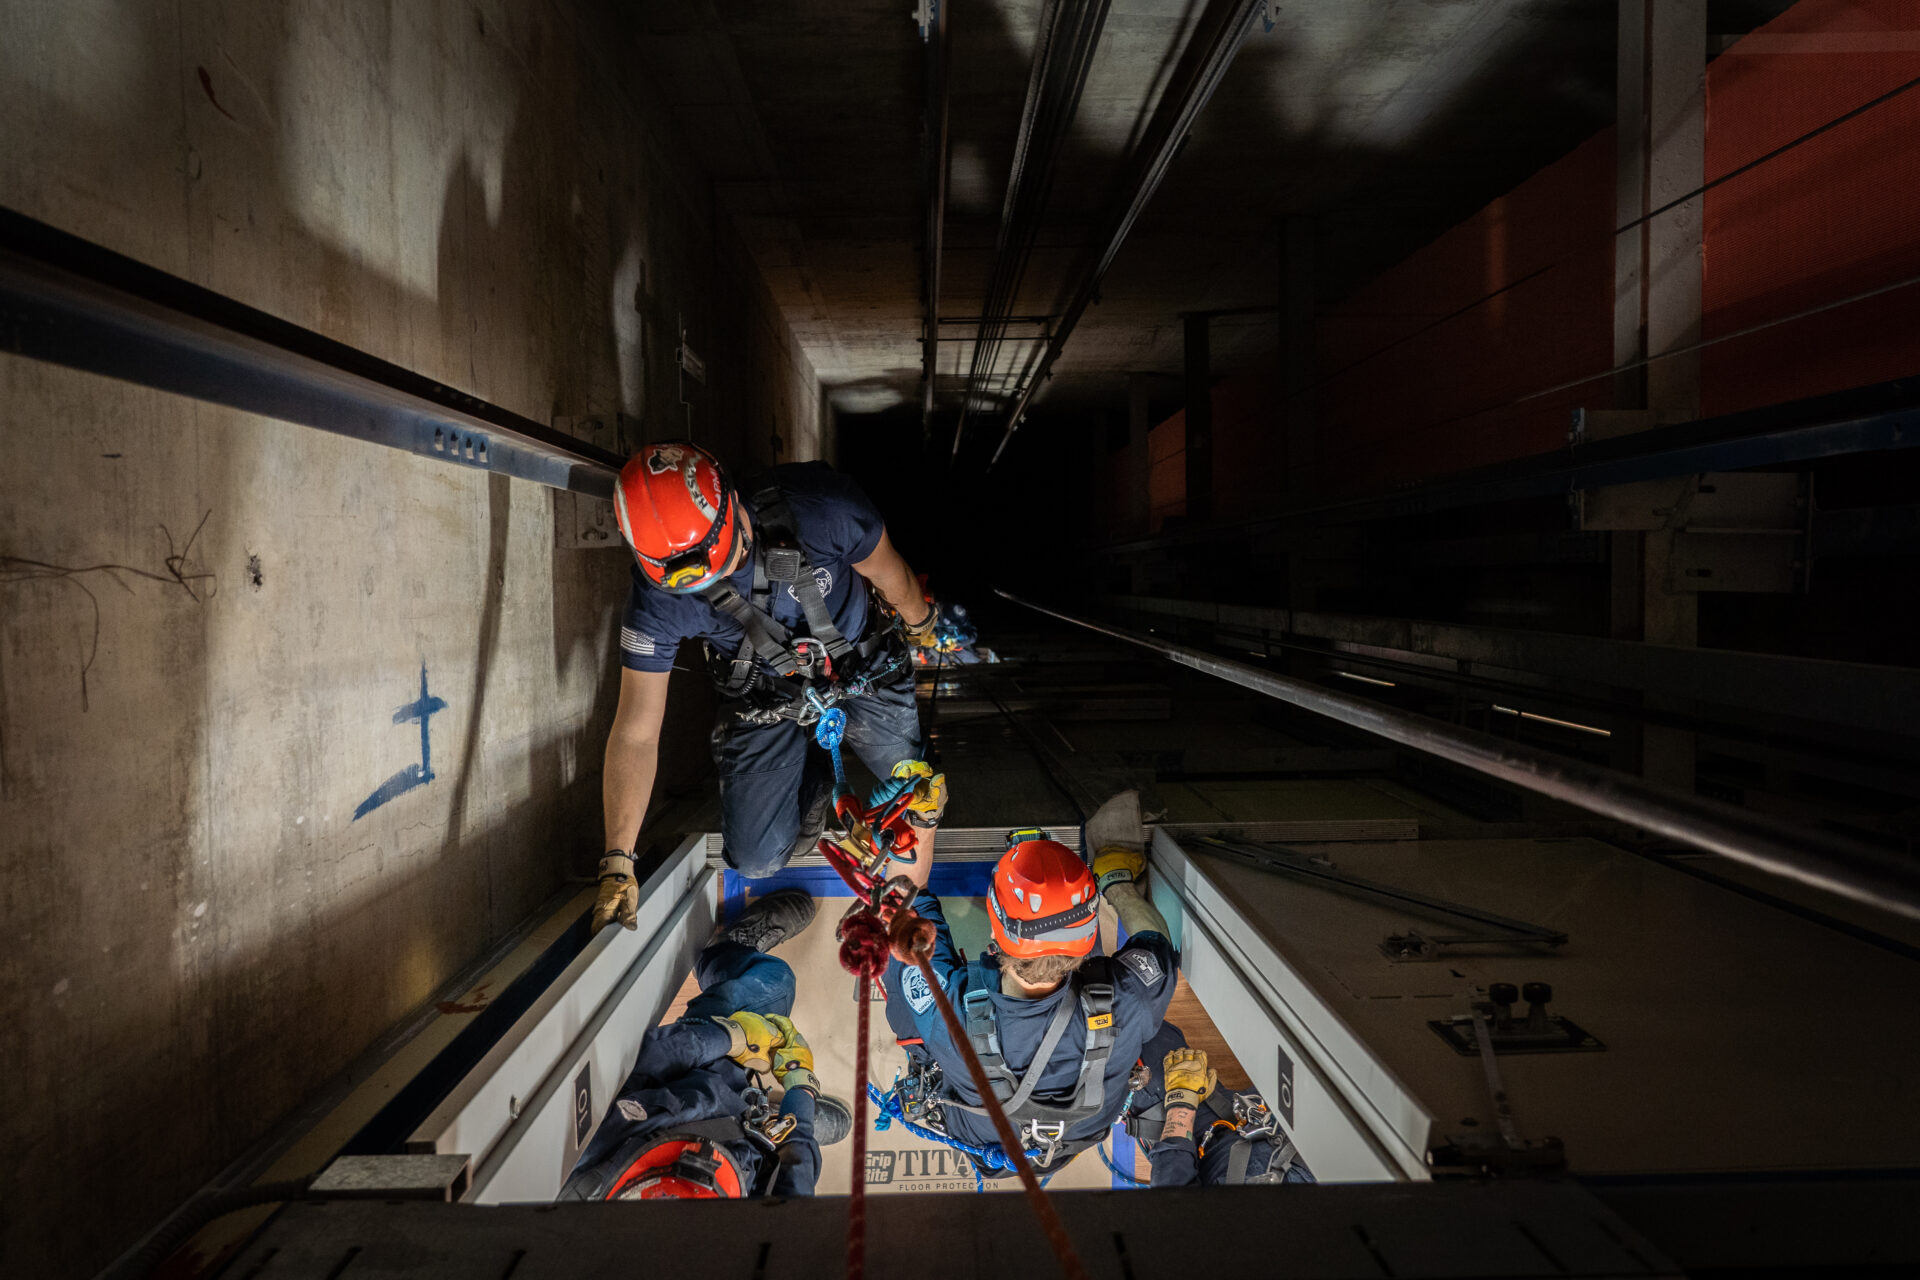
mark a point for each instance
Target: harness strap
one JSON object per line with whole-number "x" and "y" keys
{"x": 1096, "y": 1002}
{"x": 1237, "y": 1159}
{"x": 788, "y": 564}
{"x": 1056, "y": 1028}
{"x": 765, "y": 637}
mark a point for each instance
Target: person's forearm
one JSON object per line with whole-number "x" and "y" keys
{"x": 626, "y": 785}
{"x": 1137, "y": 915}
{"x": 893, "y": 578}
{"x": 921, "y": 868}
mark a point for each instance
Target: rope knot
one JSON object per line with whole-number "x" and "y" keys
{"x": 863, "y": 944}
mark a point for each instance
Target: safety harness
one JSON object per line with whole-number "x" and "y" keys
{"x": 1242, "y": 1115}
{"x": 821, "y": 661}
{"x": 1042, "y": 1122}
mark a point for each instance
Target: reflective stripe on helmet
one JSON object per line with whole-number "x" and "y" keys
{"x": 1071, "y": 925}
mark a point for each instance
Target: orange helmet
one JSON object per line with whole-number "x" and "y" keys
{"x": 679, "y": 514}
{"x": 680, "y": 1169}
{"x": 1042, "y": 899}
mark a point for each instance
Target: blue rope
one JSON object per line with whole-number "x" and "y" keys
{"x": 991, "y": 1156}
{"x": 829, "y": 731}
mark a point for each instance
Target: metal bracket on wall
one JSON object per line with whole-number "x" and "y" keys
{"x": 1397, "y": 947}
{"x": 1537, "y": 1032}
{"x": 583, "y": 522}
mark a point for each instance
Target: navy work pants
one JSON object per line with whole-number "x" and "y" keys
{"x": 773, "y": 804}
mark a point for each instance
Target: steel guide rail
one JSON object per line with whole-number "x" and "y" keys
{"x": 67, "y": 301}
{"x": 1816, "y": 858}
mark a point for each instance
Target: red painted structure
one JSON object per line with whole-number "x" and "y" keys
{"x": 1432, "y": 367}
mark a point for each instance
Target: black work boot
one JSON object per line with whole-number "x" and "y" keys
{"x": 771, "y": 920}
{"x": 832, "y": 1120}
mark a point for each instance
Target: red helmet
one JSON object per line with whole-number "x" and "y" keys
{"x": 680, "y": 1169}
{"x": 1042, "y": 900}
{"x": 679, "y": 514}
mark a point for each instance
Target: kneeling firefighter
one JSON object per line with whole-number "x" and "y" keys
{"x": 1198, "y": 1134}
{"x": 1057, "y": 1028}
{"x": 774, "y": 578}
{"x": 694, "y": 1119}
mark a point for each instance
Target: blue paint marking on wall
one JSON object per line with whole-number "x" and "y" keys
{"x": 414, "y": 775}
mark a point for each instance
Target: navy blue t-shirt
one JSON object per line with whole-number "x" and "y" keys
{"x": 837, "y": 527}
{"x": 1145, "y": 973}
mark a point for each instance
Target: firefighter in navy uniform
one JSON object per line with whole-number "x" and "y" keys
{"x": 1057, "y": 1027}
{"x": 777, "y": 578}
{"x": 1198, "y": 1134}
{"x": 694, "y": 1119}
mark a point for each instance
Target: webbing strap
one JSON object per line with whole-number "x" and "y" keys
{"x": 1097, "y": 1001}
{"x": 777, "y": 526}
{"x": 1237, "y": 1160}
{"x": 1056, "y": 1028}
{"x": 764, "y": 635}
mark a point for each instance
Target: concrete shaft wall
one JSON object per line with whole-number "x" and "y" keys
{"x": 226, "y": 863}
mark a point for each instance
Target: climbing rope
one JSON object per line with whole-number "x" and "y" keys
{"x": 882, "y": 922}
{"x": 912, "y": 939}
{"x": 863, "y": 952}
{"x": 892, "y": 1110}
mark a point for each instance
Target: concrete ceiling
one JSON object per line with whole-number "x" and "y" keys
{"x": 1386, "y": 121}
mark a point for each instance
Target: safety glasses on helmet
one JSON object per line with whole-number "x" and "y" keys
{"x": 695, "y": 567}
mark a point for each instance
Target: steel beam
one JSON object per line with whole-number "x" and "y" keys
{"x": 1199, "y": 397}
{"x": 1230, "y": 22}
{"x": 1069, "y": 32}
{"x": 1855, "y": 694}
{"x": 937, "y": 35}
{"x": 1815, "y": 858}
{"x": 69, "y": 302}
{"x": 1884, "y": 416}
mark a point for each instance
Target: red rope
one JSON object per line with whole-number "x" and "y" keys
{"x": 863, "y": 952}
{"x": 880, "y": 924}
{"x": 913, "y": 943}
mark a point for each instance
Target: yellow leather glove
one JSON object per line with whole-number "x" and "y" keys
{"x": 751, "y": 1039}
{"x": 1117, "y": 864}
{"x": 921, "y": 635}
{"x": 619, "y": 893}
{"x": 793, "y": 1060}
{"x": 1189, "y": 1078}
{"x": 929, "y": 792}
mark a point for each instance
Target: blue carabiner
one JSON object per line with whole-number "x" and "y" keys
{"x": 829, "y": 731}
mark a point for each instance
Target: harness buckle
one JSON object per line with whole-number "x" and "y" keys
{"x": 1253, "y": 1118}
{"x": 1047, "y": 1135}
{"x": 919, "y": 1092}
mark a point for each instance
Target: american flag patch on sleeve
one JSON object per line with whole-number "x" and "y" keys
{"x": 636, "y": 643}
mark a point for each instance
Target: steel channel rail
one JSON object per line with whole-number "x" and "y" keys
{"x": 939, "y": 67}
{"x": 1068, "y": 36}
{"x": 67, "y": 301}
{"x": 1815, "y": 858}
{"x": 1234, "y": 20}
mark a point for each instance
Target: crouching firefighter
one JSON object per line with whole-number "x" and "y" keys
{"x": 777, "y": 580}
{"x": 1198, "y": 1134}
{"x": 696, "y": 1118}
{"x": 1057, "y": 1027}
